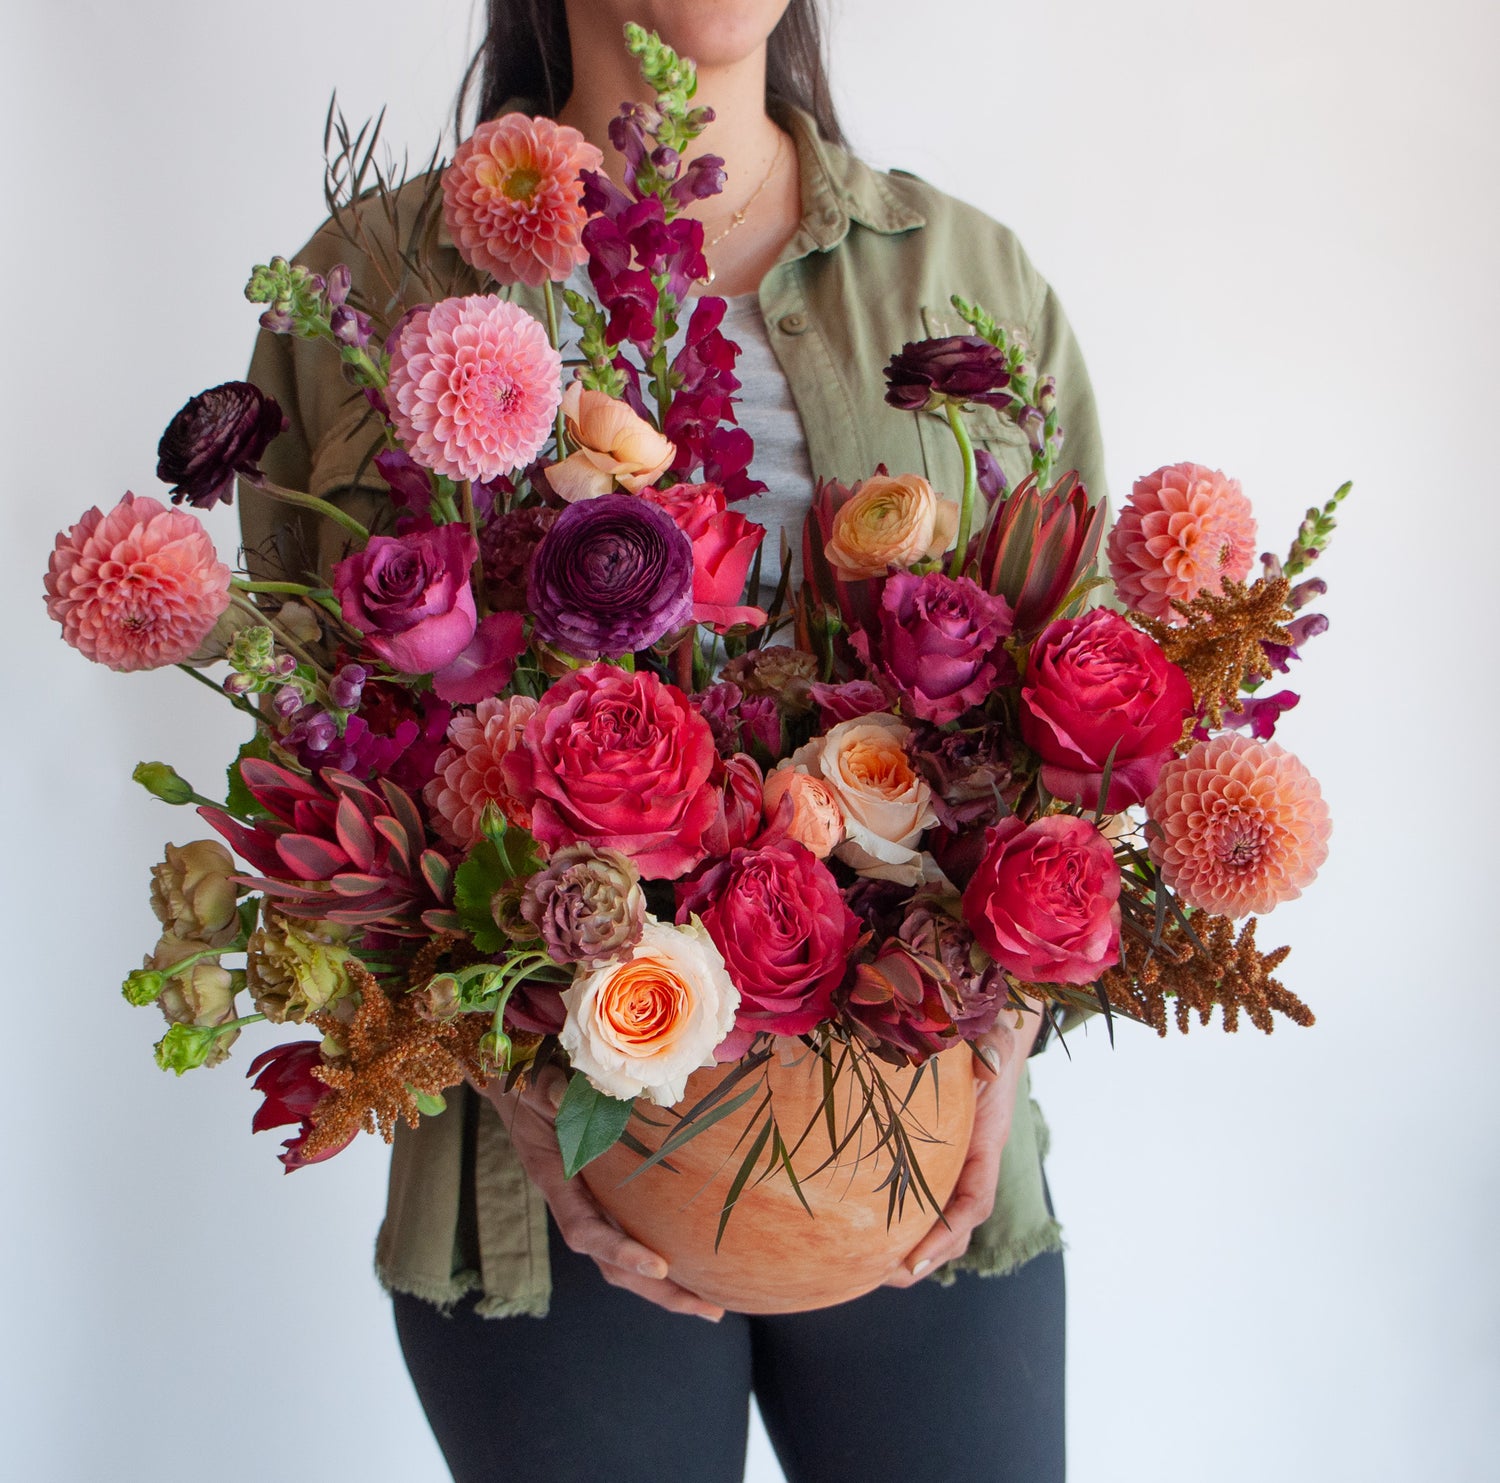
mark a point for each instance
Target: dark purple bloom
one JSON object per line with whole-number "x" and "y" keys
{"x": 719, "y": 705}
{"x": 969, "y": 772}
{"x": 992, "y": 480}
{"x": 507, "y": 543}
{"x": 1308, "y": 626}
{"x": 960, "y": 368}
{"x": 220, "y": 433}
{"x": 760, "y": 725}
{"x": 613, "y": 575}
{"x": 410, "y": 483}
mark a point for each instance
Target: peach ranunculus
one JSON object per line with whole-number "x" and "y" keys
{"x": 886, "y": 804}
{"x": 643, "y": 1023}
{"x": 811, "y": 813}
{"x": 890, "y": 522}
{"x": 614, "y": 446}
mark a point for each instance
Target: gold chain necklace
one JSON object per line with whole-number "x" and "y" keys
{"x": 738, "y": 219}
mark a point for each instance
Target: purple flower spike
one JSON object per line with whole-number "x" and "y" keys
{"x": 347, "y": 686}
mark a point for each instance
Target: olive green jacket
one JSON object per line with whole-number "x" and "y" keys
{"x": 872, "y": 265}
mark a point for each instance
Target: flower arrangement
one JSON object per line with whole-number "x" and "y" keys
{"x": 540, "y": 773}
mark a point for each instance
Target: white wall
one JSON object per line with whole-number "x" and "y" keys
{"x": 1274, "y": 227}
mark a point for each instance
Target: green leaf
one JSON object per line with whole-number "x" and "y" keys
{"x": 428, "y": 1106}
{"x": 588, "y": 1123}
{"x": 747, "y": 1168}
{"x": 240, "y": 801}
{"x": 478, "y": 878}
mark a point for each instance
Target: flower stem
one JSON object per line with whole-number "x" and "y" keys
{"x": 283, "y": 638}
{"x": 550, "y": 300}
{"x": 237, "y": 701}
{"x": 311, "y": 502}
{"x": 971, "y": 488}
{"x": 293, "y": 589}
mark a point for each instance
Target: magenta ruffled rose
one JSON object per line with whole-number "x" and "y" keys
{"x": 619, "y": 760}
{"x": 410, "y": 596}
{"x": 1096, "y": 685}
{"x": 786, "y": 935}
{"x": 1045, "y": 900}
{"x": 939, "y": 643}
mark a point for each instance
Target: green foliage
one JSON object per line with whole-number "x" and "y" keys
{"x": 508, "y": 854}
{"x": 588, "y": 1123}
{"x": 240, "y": 801}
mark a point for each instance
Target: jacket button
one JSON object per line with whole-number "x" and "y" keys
{"x": 792, "y": 324}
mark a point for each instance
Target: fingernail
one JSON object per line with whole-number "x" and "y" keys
{"x": 653, "y": 1267}
{"x": 987, "y": 1054}
{"x": 711, "y": 1317}
{"x": 921, "y": 1266}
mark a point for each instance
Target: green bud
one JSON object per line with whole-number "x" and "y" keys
{"x": 427, "y": 1105}
{"x": 495, "y": 1051}
{"x": 184, "y": 1047}
{"x": 143, "y": 986}
{"x": 492, "y": 824}
{"x": 162, "y": 781}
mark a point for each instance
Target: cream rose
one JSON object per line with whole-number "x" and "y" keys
{"x": 614, "y": 446}
{"x": 815, "y": 816}
{"x": 886, "y": 805}
{"x": 890, "y": 522}
{"x": 643, "y": 1023}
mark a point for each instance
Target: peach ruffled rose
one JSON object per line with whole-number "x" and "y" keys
{"x": 890, "y": 522}
{"x": 643, "y": 1023}
{"x": 813, "y": 816}
{"x": 885, "y": 803}
{"x": 614, "y": 446}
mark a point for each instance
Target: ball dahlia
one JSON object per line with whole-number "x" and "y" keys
{"x": 474, "y": 386}
{"x": 513, "y": 198}
{"x": 138, "y": 588}
{"x": 468, "y": 775}
{"x": 1184, "y": 531}
{"x": 1239, "y": 826}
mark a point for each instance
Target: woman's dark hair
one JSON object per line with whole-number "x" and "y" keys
{"x": 526, "y": 54}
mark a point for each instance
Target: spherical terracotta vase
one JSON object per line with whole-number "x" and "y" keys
{"x": 774, "y": 1257}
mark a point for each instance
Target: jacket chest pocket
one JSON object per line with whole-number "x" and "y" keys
{"x": 942, "y": 463}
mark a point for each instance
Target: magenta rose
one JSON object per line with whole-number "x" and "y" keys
{"x": 787, "y": 936}
{"x": 621, "y": 761}
{"x": 1094, "y": 685}
{"x": 744, "y": 792}
{"x": 410, "y": 597}
{"x": 1045, "y": 900}
{"x": 938, "y": 643}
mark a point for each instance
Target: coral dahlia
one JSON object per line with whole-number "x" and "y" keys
{"x": 1239, "y": 825}
{"x": 474, "y": 386}
{"x": 513, "y": 198}
{"x": 1184, "y": 531}
{"x": 138, "y": 588}
{"x": 468, "y": 773}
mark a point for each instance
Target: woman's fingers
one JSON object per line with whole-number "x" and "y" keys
{"x": 663, "y": 1293}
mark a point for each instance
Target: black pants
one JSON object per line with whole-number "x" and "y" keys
{"x": 960, "y": 1384}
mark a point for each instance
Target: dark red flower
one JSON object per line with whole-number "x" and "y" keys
{"x": 960, "y": 368}
{"x": 292, "y": 1095}
{"x": 220, "y": 433}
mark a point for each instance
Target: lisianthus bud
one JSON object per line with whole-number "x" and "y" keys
{"x": 185, "y": 1047}
{"x": 142, "y": 986}
{"x": 294, "y": 969}
{"x": 162, "y": 781}
{"x": 194, "y": 895}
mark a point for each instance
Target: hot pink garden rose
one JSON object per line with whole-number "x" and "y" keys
{"x": 787, "y": 936}
{"x": 621, "y": 761}
{"x": 1045, "y": 901}
{"x": 410, "y": 596}
{"x": 1094, "y": 684}
{"x": 724, "y": 544}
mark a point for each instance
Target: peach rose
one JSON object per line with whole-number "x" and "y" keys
{"x": 885, "y": 804}
{"x": 644, "y": 1022}
{"x": 890, "y": 522}
{"x": 614, "y": 447}
{"x": 813, "y": 815}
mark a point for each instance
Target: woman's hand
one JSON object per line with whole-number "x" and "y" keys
{"x": 529, "y": 1118}
{"x": 998, "y": 1059}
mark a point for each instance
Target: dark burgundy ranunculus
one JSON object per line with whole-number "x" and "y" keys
{"x": 220, "y": 433}
{"x": 410, "y": 596}
{"x": 292, "y": 1095}
{"x": 963, "y": 368}
{"x": 611, "y": 576}
{"x": 1095, "y": 685}
{"x": 938, "y": 643}
{"x": 507, "y": 543}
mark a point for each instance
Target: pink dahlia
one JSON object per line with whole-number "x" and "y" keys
{"x": 468, "y": 773}
{"x": 1185, "y": 530}
{"x": 474, "y": 387}
{"x": 138, "y": 588}
{"x": 1239, "y": 826}
{"x": 513, "y": 198}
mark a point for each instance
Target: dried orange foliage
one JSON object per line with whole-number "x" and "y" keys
{"x": 392, "y": 1052}
{"x": 1231, "y": 973}
{"x": 1219, "y": 647}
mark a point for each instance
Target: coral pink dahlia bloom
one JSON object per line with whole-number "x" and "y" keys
{"x": 1239, "y": 825}
{"x": 1185, "y": 530}
{"x": 138, "y": 588}
{"x": 474, "y": 387}
{"x": 513, "y": 198}
{"x": 468, "y": 772}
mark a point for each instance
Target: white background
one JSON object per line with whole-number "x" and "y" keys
{"x": 1275, "y": 229}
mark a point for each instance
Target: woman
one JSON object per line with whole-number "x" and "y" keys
{"x": 829, "y": 267}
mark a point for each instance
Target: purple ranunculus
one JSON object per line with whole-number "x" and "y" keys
{"x": 939, "y": 643}
{"x": 611, "y": 576}
{"x": 960, "y": 368}
{"x": 220, "y": 433}
{"x": 410, "y": 596}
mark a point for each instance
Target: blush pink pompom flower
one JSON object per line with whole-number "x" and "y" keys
{"x": 1239, "y": 826}
{"x": 474, "y": 387}
{"x": 513, "y": 198}
{"x": 1184, "y": 531}
{"x": 138, "y": 588}
{"x": 468, "y": 773}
